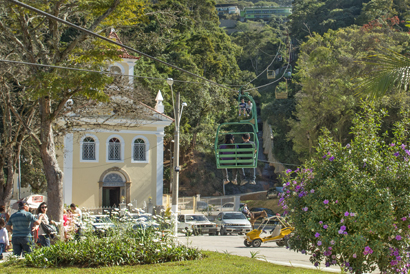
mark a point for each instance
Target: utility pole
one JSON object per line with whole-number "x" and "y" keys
{"x": 171, "y": 167}
{"x": 176, "y": 168}
{"x": 176, "y": 164}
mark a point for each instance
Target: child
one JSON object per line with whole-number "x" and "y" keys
{"x": 242, "y": 107}
{"x": 4, "y": 238}
{"x": 248, "y": 107}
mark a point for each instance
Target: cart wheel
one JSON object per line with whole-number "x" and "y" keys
{"x": 246, "y": 243}
{"x": 282, "y": 242}
{"x": 256, "y": 243}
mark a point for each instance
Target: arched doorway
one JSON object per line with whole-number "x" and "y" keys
{"x": 114, "y": 187}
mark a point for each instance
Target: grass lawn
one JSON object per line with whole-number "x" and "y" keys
{"x": 214, "y": 263}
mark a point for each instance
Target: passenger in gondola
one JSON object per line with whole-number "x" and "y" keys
{"x": 248, "y": 107}
{"x": 229, "y": 143}
{"x": 247, "y": 143}
{"x": 242, "y": 107}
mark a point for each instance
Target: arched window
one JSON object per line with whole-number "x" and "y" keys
{"x": 115, "y": 69}
{"x": 114, "y": 149}
{"x": 89, "y": 149}
{"x": 139, "y": 150}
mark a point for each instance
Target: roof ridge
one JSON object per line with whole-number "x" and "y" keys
{"x": 153, "y": 109}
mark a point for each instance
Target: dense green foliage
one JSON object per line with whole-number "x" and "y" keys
{"x": 349, "y": 203}
{"x": 328, "y": 76}
{"x": 126, "y": 246}
{"x": 187, "y": 34}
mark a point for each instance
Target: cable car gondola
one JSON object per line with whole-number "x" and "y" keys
{"x": 240, "y": 156}
{"x": 281, "y": 90}
{"x": 270, "y": 74}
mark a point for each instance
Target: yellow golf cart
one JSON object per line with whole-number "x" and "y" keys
{"x": 278, "y": 233}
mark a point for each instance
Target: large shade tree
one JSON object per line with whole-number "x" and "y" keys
{"x": 33, "y": 38}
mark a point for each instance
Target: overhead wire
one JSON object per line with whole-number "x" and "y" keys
{"x": 271, "y": 83}
{"x": 114, "y": 42}
{"x": 273, "y": 60}
{"x": 95, "y": 71}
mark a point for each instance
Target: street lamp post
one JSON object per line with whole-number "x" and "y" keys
{"x": 171, "y": 167}
{"x": 176, "y": 168}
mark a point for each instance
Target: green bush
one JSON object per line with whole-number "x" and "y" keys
{"x": 350, "y": 205}
{"x": 127, "y": 246}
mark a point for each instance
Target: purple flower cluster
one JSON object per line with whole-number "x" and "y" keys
{"x": 317, "y": 234}
{"x": 367, "y": 250}
{"x": 326, "y": 202}
{"x": 342, "y": 230}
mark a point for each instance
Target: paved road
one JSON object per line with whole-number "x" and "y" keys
{"x": 233, "y": 244}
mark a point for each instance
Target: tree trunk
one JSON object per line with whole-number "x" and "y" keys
{"x": 6, "y": 187}
{"x": 52, "y": 171}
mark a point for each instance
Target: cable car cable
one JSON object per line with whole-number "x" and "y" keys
{"x": 273, "y": 60}
{"x": 113, "y": 42}
{"x": 268, "y": 84}
{"x": 95, "y": 71}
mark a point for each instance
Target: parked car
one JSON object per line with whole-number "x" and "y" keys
{"x": 272, "y": 193}
{"x": 200, "y": 205}
{"x": 268, "y": 211}
{"x": 101, "y": 224}
{"x": 228, "y": 207}
{"x": 196, "y": 224}
{"x": 144, "y": 221}
{"x": 232, "y": 222}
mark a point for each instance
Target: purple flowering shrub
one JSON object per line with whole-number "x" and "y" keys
{"x": 350, "y": 204}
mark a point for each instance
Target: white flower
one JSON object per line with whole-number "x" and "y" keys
{"x": 364, "y": 160}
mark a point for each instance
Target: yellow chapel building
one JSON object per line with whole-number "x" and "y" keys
{"x": 118, "y": 163}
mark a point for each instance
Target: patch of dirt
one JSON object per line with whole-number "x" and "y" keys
{"x": 200, "y": 176}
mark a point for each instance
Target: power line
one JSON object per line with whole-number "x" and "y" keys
{"x": 273, "y": 60}
{"x": 290, "y": 49}
{"x": 113, "y": 42}
{"x": 96, "y": 71}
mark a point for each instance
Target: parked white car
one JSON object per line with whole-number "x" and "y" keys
{"x": 227, "y": 207}
{"x": 196, "y": 224}
{"x": 232, "y": 222}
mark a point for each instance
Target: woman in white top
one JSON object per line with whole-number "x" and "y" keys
{"x": 4, "y": 238}
{"x": 43, "y": 238}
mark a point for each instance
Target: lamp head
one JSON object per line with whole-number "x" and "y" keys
{"x": 184, "y": 104}
{"x": 170, "y": 81}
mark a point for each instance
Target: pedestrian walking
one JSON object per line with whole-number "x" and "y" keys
{"x": 20, "y": 225}
{"x": 4, "y": 238}
{"x": 43, "y": 238}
